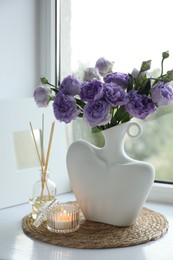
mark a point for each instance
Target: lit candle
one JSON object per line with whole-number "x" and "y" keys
{"x": 63, "y": 218}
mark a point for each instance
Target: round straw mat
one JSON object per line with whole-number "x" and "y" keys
{"x": 150, "y": 225}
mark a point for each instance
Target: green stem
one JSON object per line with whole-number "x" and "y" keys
{"x": 162, "y": 67}
{"x": 52, "y": 85}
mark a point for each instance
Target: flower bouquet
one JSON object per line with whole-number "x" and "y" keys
{"x": 105, "y": 98}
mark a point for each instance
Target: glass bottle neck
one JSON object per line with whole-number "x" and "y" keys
{"x": 43, "y": 174}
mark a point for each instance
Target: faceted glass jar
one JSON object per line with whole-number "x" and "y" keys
{"x": 44, "y": 191}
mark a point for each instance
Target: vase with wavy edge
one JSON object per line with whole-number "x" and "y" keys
{"x": 109, "y": 186}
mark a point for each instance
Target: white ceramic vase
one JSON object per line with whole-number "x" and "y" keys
{"x": 109, "y": 186}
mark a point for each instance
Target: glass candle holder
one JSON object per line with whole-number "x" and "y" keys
{"x": 63, "y": 218}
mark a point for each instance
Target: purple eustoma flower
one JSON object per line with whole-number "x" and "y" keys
{"x": 90, "y": 74}
{"x": 139, "y": 106}
{"x": 140, "y": 75}
{"x": 92, "y": 91}
{"x": 162, "y": 94}
{"x": 96, "y": 113}
{"x": 70, "y": 85}
{"x": 115, "y": 95}
{"x": 64, "y": 107}
{"x": 41, "y": 96}
{"x": 104, "y": 66}
{"x": 119, "y": 78}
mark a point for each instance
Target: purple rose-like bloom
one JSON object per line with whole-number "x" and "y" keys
{"x": 162, "y": 94}
{"x": 139, "y": 106}
{"x": 115, "y": 95}
{"x": 119, "y": 78}
{"x": 70, "y": 85}
{"x": 92, "y": 91}
{"x": 96, "y": 113}
{"x": 104, "y": 66}
{"x": 64, "y": 108}
{"x": 41, "y": 96}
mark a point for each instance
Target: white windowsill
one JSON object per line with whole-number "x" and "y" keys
{"x": 14, "y": 245}
{"x": 161, "y": 193}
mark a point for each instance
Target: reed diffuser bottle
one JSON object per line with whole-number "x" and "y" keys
{"x": 44, "y": 190}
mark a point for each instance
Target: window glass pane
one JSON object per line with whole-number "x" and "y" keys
{"x": 156, "y": 143}
{"x": 126, "y": 32}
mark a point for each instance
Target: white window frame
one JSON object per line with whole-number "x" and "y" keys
{"x": 48, "y": 40}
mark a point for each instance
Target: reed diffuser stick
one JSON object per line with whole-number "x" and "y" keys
{"x": 42, "y": 141}
{"x": 49, "y": 146}
{"x": 47, "y": 155}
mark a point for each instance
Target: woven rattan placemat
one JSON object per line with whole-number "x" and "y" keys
{"x": 150, "y": 225}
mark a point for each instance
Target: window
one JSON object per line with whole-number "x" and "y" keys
{"x": 126, "y": 32}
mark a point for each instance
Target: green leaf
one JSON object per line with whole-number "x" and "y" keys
{"x": 119, "y": 115}
{"x": 80, "y": 115}
{"x": 130, "y": 83}
{"x": 170, "y": 75}
{"x": 96, "y": 129}
{"x": 80, "y": 103}
{"x": 126, "y": 118}
{"x": 114, "y": 121}
{"x": 145, "y": 89}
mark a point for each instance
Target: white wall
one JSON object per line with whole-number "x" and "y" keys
{"x": 19, "y": 47}
{"x": 26, "y": 53}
